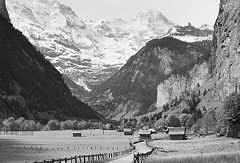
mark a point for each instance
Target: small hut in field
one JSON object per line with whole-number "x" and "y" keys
{"x": 77, "y": 134}
{"x": 177, "y": 133}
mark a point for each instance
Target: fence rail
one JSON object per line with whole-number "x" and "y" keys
{"x": 84, "y": 133}
{"x": 17, "y": 133}
{"x": 67, "y": 147}
{"x": 90, "y": 158}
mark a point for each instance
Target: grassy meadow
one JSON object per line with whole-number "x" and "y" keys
{"x": 46, "y": 145}
{"x": 208, "y": 158}
{"x": 196, "y": 150}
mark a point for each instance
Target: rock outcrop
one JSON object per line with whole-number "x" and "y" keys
{"x": 226, "y": 58}
{"x": 30, "y": 86}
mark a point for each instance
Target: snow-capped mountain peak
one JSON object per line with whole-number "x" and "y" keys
{"x": 155, "y": 20}
{"x": 152, "y": 17}
{"x": 89, "y": 51}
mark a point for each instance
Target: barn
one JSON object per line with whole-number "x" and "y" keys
{"x": 77, "y": 134}
{"x": 234, "y": 131}
{"x": 177, "y": 133}
{"x": 145, "y": 135}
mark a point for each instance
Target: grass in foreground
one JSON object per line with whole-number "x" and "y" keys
{"x": 211, "y": 158}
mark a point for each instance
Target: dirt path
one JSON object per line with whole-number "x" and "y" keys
{"x": 140, "y": 148}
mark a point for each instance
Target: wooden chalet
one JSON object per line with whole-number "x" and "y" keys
{"x": 177, "y": 133}
{"x": 145, "y": 135}
{"x": 234, "y": 131}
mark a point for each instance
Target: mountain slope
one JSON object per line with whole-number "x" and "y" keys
{"x": 89, "y": 51}
{"x": 223, "y": 77}
{"x": 133, "y": 89}
{"x": 30, "y": 86}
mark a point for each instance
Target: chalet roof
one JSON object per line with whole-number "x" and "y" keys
{"x": 177, "y": 130}
{"x": 152, "y": 130}
{"x": 127, "y": 130}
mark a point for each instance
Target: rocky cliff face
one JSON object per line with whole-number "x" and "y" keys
{"x": 178, "y": 84}
{"x": 226, "y": 58}
{"x": 161, "y": 70}
{"x": 30, "y": 86}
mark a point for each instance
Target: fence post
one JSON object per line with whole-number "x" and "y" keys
{"x": 53, "y": 160}
{"x": 65, "y": 160}
{"x": 102, "y": 156}
{"x": 88, "y": 158}
{"x": 75, "y": 159}
{"x": 84, "y": 159}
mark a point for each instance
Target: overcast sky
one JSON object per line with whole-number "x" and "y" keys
{"x": 178, "y": 11}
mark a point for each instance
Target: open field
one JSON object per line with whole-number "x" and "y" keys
{"x": 59, "y": 144}
{"x": 47, "y": 145}
{"x": 197, "y": 150}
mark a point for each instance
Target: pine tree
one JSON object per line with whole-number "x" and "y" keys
{"x": 232, "y": 112}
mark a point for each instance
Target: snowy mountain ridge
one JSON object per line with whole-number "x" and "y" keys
{"x": 89, "y": 51}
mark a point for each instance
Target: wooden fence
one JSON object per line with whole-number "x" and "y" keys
{"x": 65, "y": 148}
{"x": 84, "y": 133}
{"x": 17, "y": 133}
{"x": 98, "y": 158}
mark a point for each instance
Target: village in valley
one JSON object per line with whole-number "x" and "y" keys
{"x": 120, "y": 143}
